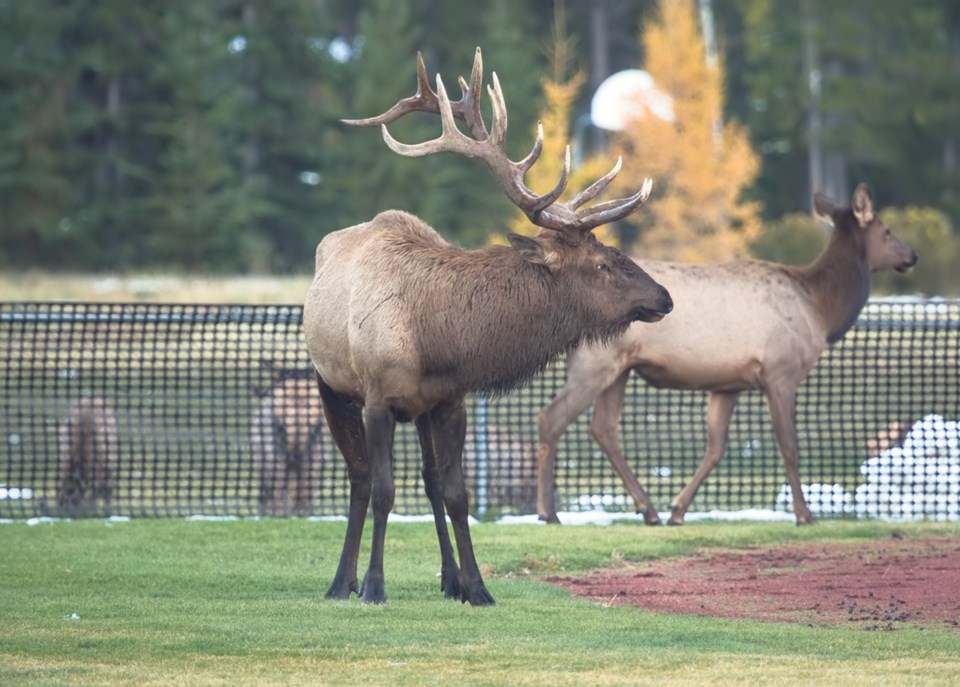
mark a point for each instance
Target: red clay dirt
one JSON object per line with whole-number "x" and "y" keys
{"x": 877, "y": 585}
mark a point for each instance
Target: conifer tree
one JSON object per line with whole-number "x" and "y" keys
{"x": 560, "y": 93}
{"x": 35, "y": 193}
{"x": 385, "y": 72}
{"x": 699, "y": 169}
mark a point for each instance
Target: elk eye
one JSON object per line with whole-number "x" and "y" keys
{"x": 602, "y": 267}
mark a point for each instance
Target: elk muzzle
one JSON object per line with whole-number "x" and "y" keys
{"x": 654, "y": 309}
{"x": 908, "y": 263}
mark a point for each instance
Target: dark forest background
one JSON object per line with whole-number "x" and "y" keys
{"x": 204, "y": 136}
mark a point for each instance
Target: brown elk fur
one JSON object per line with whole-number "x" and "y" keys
{"x": 89, "y": 455}
{"x": 285, "y": 443}
{"x": 401, "y": 325}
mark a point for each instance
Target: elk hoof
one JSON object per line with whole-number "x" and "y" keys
{"x": 652, "y": 519}
{"x": 373, "y": 591}
{"x": 477, "y": 595}
{"x": 340, "y": 590}
{"x": 806, "y": 520}
{"x": 676, "y": 515}
{"x": 550, "y": 519}
{"x": 450, "y": 585}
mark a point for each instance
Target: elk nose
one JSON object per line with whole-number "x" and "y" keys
{"x": 667, "y": 302}
{"x": 909, "y": 262}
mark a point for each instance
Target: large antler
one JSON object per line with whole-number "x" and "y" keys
{"x": 490, "y": 147}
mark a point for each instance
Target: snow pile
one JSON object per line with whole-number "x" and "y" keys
{"x": 919, "y": 479}
{"x": 822, "y": 499}
{"x": 15, "y": 493}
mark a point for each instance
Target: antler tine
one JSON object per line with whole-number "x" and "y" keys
{"x": 498, "y": 130}
{"x": 548, "y": 199}
{"x": 594, "y": 189}
{"x": 424, "y": 100}
{"x": 470, "y": 102}
{"x": 450, "y": 138}
{"x": 526, "y": 163}
{"x": 612, "y": 210}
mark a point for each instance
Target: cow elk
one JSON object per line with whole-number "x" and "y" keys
{"x": 737, "y": 326}
{"x": 286, "y": 433}
{"x": 89, "y": 454}
{"x": 401, "y": 325}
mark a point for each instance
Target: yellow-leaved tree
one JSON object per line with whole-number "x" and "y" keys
{"x": 560, "y": 93}
{"x": 699, "y": 166}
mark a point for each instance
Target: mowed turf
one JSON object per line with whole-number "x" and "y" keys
{"x": 173, "y": 602}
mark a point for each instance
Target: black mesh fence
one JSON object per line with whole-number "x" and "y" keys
{"x": 173, "y": 410}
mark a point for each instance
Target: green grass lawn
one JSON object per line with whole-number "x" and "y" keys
{"x": 173, "y": 602}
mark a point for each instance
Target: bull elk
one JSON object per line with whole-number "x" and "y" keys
{"x": 737, "y": 326}
{"x": 401, "y": 325}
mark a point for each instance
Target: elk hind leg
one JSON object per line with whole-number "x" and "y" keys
{"x": 345, "y": 422}
{"x": 605, "y": 428}
{"x": 380, "y": 422}
{"x": 433, "y": 485}
{"x": 720, "y": 405}
{"x": 449, "y": 428}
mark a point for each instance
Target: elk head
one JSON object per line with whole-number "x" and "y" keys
{"x": 884, "y": 249}
{"x": 565, "y": 244}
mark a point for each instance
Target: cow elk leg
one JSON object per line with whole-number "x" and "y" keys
{"x": 720, "y": 407}
{"x": 782, "y": 411}
{"x": 346, "y": 426}
{"x": 574, "y": 398}
{"x": 449, "y": 428}
{"x": 433, "y": 485}
{"x": 606, "y": 430}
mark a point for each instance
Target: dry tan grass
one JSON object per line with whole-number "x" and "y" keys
{"x": 36, "y": 286}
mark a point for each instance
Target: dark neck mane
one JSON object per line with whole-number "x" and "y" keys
{"x": 502, "y": 321}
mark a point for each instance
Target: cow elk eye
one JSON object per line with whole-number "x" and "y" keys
{"x": 602, "y": 267}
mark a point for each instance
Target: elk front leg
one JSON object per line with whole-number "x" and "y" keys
{"x": 783, "y": 412}
{"x": 449, "y": 425}
{"x": 346, "y": 426}
{"x": 380, "y": 422}
{"x": 606, "y": 430}
{"x": 433, "y": 485}
{"x": 584, "y": 383}
{"x": 720, "y": 407}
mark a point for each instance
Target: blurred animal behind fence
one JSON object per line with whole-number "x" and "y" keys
{"x": 504, "y": 467}
{"x": 888, "y": 437}
{"x": 89, "y": 455}
{"x": 286, "y": 441}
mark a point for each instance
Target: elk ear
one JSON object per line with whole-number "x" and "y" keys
{"x": 862, "y": 205}
{"x": 824, "y": 208}
{"x": 529, "y": 248}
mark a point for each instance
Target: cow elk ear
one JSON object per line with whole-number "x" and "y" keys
{"x": 529, "y": 248}
{"x": 862, "y": 205}
{"x": 824, "y": 208}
